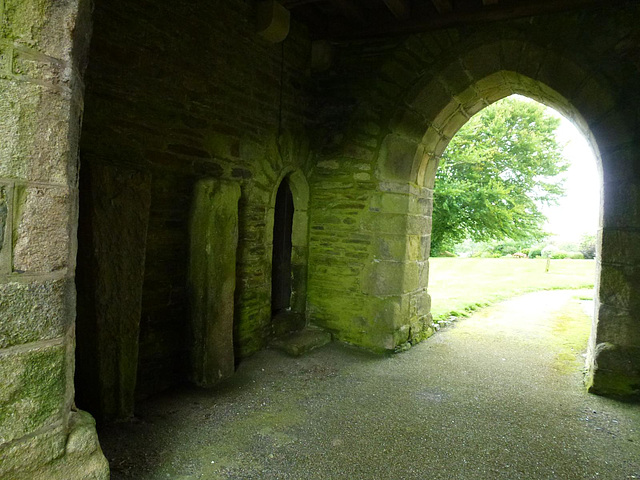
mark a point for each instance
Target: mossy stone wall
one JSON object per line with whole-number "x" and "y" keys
{"x": 372, "y": 187}
{"x": 180, "y": 92}
{"x": 213, "y": 231}
{"x": 40, "y": 105}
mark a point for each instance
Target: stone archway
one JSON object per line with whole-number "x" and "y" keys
{"x": 293, "y": 316}
{"x": 370, "y": 287}
{"x": 439, "y": 106}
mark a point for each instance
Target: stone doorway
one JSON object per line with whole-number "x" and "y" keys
{"x": 282, "y": 249}
{"x": 288, "y": 222}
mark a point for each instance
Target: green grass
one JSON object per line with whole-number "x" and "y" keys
{"x": 460, "y": 285}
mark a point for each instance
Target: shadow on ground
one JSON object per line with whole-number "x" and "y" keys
{"x": 496, "y": 396}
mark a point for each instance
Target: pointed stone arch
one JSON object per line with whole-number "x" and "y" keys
{"x": 437, "y": 106}
{"x": 370, "y": 288}
{"x": 297, "y": 182}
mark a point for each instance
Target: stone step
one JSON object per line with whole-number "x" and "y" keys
{"x": 301, "y": 342}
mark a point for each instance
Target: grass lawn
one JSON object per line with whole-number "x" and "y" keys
{"x": 458, "y": 285}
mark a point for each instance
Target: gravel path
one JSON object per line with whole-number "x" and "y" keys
{"x": 495, "y": 396}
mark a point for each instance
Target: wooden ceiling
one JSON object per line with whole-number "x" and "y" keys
{"x": 362, "y": 19}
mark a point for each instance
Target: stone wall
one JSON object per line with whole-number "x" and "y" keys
{"x": 179, "y": 92}
{"x": 42, "y": 435}
{"x": 372, "y": 187}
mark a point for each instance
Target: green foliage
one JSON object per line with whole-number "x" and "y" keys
{"x": 495, "y": 174}
{"x": 576, "y": 256}
{"x": 491, "y": 249}
{"x": 535, "y": 252}
{"x": 588, "y": 246}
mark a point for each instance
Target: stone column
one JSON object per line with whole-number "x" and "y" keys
{"x": 212, "y": 280}
{"x": 114, "y": 218}
{"x": 614, "y": 347}
{"x": 42, "y": 47}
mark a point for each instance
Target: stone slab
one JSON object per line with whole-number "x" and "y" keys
{"x": 302, "y": 342}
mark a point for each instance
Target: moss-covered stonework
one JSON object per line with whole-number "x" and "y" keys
{"x": 178, "y": 92}
{"x": 213, "y": 231}
{"x": 401, "y": 119}
{"x": 111, "y": 259}
{"x": 34, "y": 311}
{"x": 58, "y": 456}
{"x": 33, "y": 392}
{"x": 216, "y": 103}
{"x": 42, "y": 51}
{"x": 5, "y": 234}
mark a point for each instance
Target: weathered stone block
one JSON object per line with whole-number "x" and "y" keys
{"x": 391, "y": 247}
{"x": 384, "y": 278}
{"x": 34, "y": 127}
{"x": 454, "y": 123}
{"x": 46, "y": 457}
{"x": 617, "y": 326}
{"x": 618, "y": 286}
{"x": 617, "y": 371}
{"x": 42, "y": 221}
{"x": 33, "y": 390}
{"x": 411, "y": 277}
{"x": 424, "y": 273}
{"x": 379, "y": 222}
{"x": 592, "y": 100}
{"x": 31, "y": 452}
{"x": 5, "y": 226}
{"x": 619, "y": 167}
{"x": 212, "y": 280}
{"x": 484, "y": 60}
{"x": 621, "y": 205}
{"x": 35, "y": 311}
{"x": 418, "y": 225}
{"x": 388, "y": 202}
{"x": 420, "y": 303}
{"x": 621, "y": 246}
{"x": 40, "y": 24}
{"x": 415, "y": 249}
{"x": 614, "y": 130}
{"x": 111, "y": 263}
{"x": 430, "y": 100}
{"x": 82, "y": 439}
{"x": 408, "y": 123}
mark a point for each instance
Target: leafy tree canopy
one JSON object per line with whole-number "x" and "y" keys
{"x": 496, "y": 173}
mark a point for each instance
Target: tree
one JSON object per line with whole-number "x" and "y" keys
{"x": 496, "y": 173}
{"x": 588, "y": 245}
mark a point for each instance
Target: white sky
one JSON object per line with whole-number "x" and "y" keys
{"x": 578, "y": 212}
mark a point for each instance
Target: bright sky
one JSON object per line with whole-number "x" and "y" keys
{"x": 578, "y": 211}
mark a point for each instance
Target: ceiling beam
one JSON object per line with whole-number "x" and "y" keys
{"x": 454, "y": 19}
{"x": 399, "y": 8}
{"x": 350, "y": 10}
{"x": 297, "y": 3}
{"x": 443, "y": 6}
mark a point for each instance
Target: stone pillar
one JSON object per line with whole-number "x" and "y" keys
{"x": 212, "y": 280}
{"x": 400, "y": 221}
{"x": 42, "y": 47}
{"x": 114, "y": 217}
{"x": 614, "y": 348}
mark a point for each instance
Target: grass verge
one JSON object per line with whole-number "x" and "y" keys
{"x": 458, "y": 286}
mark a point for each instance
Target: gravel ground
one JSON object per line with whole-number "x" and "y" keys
{"x": 494, "y": 396}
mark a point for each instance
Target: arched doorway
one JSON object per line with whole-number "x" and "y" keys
{"x": 290, "y": 252}
{"x": 282, "y": 248}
